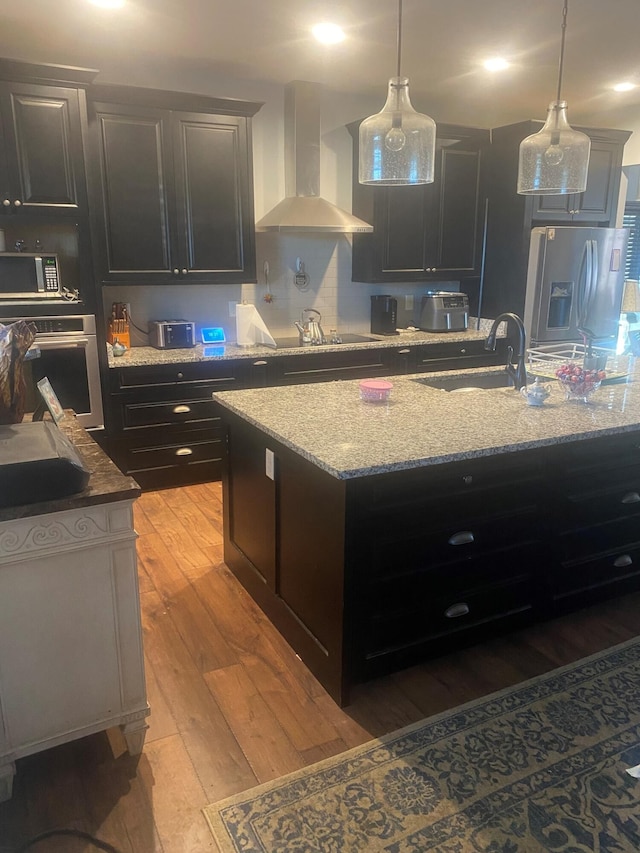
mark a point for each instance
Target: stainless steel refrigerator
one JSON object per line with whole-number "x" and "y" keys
{"x": 575, "y": 282}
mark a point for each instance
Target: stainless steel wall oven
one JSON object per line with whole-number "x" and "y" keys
{"x": 69, "y": 359}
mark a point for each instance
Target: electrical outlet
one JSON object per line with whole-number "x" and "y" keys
{"x": 127, "y": 308}
{"x": 232, "y": 309}
{"x": 408, "y": 302}
{"x": 269, "y": 464}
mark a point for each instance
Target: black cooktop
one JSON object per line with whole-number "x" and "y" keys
{"x": 347, "y": 338}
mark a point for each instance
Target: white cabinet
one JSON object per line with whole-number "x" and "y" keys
{"x": 71, "y": 660}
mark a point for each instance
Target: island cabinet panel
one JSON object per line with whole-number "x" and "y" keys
{"x": 300, "y": 518}
{"x": 171, "y": 188}
{"x": 366, "y": 575}
{"x": 164, "y": 428}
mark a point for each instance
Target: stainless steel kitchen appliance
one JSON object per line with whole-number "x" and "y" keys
{"x": 575, "y": 283}
{"x": 172, "y": 334}
{"x": 27, "y": 276}
{"x": 68, "y": 357}
{"x": 384, "y": 315}
{"x": 444, "y": 311}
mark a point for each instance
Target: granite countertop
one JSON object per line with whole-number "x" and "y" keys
{"x": 107, "y": 484}
{"x": 330, "y": 425}
{"x": 145, "y": 356}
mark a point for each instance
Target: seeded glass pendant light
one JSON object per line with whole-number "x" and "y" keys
{"x": 397, "y": 145}
{"x": 555, "y": 160}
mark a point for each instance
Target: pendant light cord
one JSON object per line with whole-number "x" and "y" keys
{"x": 564, "y": 32}
{"x": 400, "y": 34}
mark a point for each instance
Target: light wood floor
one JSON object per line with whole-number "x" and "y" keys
{"x": 232, "y": 706}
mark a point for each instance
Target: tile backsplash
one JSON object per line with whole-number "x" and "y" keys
{"x": 343, "y": 304}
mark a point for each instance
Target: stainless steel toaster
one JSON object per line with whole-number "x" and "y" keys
{"x": 172, "y": 334}
{"x": 444, "y": 311}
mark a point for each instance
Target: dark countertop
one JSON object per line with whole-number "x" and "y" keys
{"x": 107, "y": 484}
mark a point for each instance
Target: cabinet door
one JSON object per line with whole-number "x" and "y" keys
{"x": 215, "y": 224}
{"x": 597, "y": 202}
{"x": 402, "y": 226}
{"x": 43, "y": 150}
{"x": 133, "y": 194}
{"x": 453, "y": 246}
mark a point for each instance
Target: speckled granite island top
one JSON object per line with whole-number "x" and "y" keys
{"x": 107, "y": 483}
{"x": 330, "y": 425}
{"x": 146, "y": 356}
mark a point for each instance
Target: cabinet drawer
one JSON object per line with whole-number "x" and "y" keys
{"x": 606, "y": 495}
{"x": 614, "y": 573}
{"x": 323, "y": 367}
{"x": 427, "y": 617}
{"x": 399, "y": 552}
{"x": 170, "y": 454}
{"x": 580, "y": 544}
{"x": 460, "y": 355}
{"x": 220, "y": 375}
{"x": 174, "y": 412}
{"x": 510, "y": 479}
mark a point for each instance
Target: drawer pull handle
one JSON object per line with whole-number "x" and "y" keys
{"x": 463, "y": 537}
{"x": 181, "y": 410}
{"x": 259, "y": 363}
{"x": 457, "y": 610}
{"x": 631, "y": 498}
{"x": 403, "y": 351}
{"x": 180, "y": 375}
{"x": 622, "y": 560}
{"x": 184, "y": 451}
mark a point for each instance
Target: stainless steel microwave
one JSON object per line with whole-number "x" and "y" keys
{"x": 29, "y": 276}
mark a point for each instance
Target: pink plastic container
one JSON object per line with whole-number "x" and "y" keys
{"x": 375, "y": 390}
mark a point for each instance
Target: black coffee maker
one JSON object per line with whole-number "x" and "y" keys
{"x": 384, "y": 315}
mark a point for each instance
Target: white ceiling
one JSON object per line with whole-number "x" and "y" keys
{"x": 444, "y": 42}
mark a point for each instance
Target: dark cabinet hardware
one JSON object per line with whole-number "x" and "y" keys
{"x": 457, "y": 610}
{"x": 622, "y": 561}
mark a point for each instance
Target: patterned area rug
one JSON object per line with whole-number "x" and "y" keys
{"x": 538, "y": 767}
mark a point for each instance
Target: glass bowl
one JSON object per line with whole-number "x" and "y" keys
{"x": 579, "y": 391}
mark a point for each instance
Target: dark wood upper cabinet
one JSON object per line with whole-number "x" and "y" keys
{"x": 171, "y": 189}
{"x": 424, "y": 233}
{"x": 41, "y": 149}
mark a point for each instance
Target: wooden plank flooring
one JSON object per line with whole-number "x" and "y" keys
{"x": 231, "y": 704}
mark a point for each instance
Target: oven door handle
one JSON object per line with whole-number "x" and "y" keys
{"x": 61, "y": 343}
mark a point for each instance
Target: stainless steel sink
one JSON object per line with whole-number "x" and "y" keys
{"x": 467, "y": 381}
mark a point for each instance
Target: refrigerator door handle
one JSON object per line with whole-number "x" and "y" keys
{"x": 590, "y": 258}
{"x": 583, "y": 278}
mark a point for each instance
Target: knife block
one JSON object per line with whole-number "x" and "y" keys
{"x": 114, "y": 333}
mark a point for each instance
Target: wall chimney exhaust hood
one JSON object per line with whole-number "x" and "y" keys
{"x": 303, "y": 209}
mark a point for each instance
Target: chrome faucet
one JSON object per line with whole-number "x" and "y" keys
{"x": 517, "y": 371}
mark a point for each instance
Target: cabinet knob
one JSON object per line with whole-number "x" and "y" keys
{"x": 631, "y": 498}
{"x": 176, "y": 271}
{"x": 184, "y": 451}
{"x": 463, "y": 537}
{"x": 259, "y": 363}
{"x": 179, "y": 375}
{"x": 6, "y": 202}
{"x": 622, "y": 560}
{"x": 463, "y": 351}
{"x": 185, "y": 271}
{"x": 181, "y": 410}
{"x": 467, "y": 479}
{"x": 17, "y": 203}
{"x": 457, "y": 610}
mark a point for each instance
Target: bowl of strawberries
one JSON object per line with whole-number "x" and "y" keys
{"x": 579, "y": 383}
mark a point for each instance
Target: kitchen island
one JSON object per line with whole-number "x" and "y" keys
{"x": 71, "y": 660}
{"x": 374, "y": 535}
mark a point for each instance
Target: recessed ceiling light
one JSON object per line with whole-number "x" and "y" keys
{"x": 624, "y": 87}
{"x": 496, "y": 64}
{"x": 108, "y": 4}
{"x": 328, "y": 33}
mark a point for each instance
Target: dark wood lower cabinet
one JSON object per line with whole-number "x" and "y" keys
{"x": 368, "y": 575}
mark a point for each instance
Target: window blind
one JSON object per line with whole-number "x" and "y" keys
{"x": 631, "y": 220}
